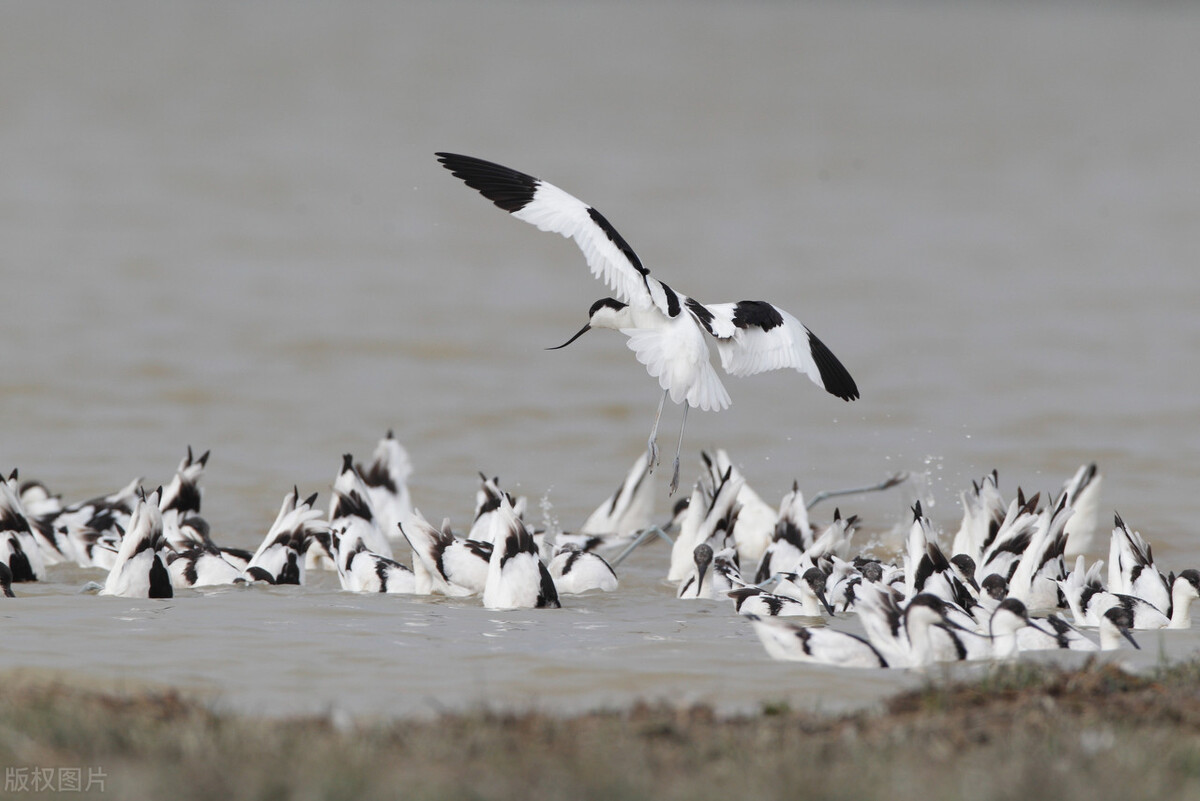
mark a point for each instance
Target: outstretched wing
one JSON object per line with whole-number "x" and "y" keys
{"x": 551, "y": 209}
{"x": 754, "y": 336}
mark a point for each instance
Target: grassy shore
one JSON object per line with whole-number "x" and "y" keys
{"x": 1024, "y": 731}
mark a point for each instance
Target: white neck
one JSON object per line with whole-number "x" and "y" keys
{"x": 1182, "y": 595}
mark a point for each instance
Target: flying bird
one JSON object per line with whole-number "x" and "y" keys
{"x": 664, "y": 328}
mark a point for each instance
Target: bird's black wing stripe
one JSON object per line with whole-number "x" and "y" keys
{"x": 617, "y": 240}
{"x": 701, "y": 313}
{"x": 834, "y": 376}
{"x": 507, "y": 188}
{"x": 672, "y": 300}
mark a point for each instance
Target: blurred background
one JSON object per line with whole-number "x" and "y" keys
{"x": 223, "y": 226}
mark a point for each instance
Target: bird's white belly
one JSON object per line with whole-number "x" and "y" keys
{"x": 674, "y": 352}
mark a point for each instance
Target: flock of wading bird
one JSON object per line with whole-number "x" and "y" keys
{"x": 791, "y": 579}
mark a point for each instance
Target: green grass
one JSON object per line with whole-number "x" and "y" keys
{"x": 1021, "y": 732}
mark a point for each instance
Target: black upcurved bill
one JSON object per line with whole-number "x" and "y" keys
{"x": 581, "y": 332}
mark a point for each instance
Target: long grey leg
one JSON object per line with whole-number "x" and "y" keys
{"x": 678, "y": 448}
{"x": 652, "y": 443}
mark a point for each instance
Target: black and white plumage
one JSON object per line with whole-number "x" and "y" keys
{"x": 577, "y": 571}
{"x": 927, "y": 570}
{"x": 806, "y": 588}
{"x": 699, "y": 583}
{"x": 688, "y": 524}
{"x": 964, "y": 567}
{"x": 754, "y": 525}
{"x": 1013, "y": 631}
{"x": 1084, "y": 592}
{"x": 787, "y": 641}
{"x": 201, "y": 566}
{"x": 757, "y": 601}
{"x": 834, "y": 539}
{"x": 714, "y": 576}
{"x": 934, "y": 637}
{"x": 386, "y": 479}
{"x": 280, "y": 557}
{"x": 40, "y": 507}
{"x": 1089, "y": 600}
{"x": 712, "y": 513}
{"x": 93, "y": 527}
{"x": 1131, "y": 568}
{"x": 19, "y": 548}
{"x": 1082, "y": 491}
{"x": 6, "y": 581}
{"x": 664, "y": 328}
{"x": 138, "y": 570}
{"x": 181, "y": 499}
{"x": 444, "y": 563}
{"x": 992, "y": 590}
{"x": 182, "y": 494}
{"x": 918, "y": 633}
{"x": 1035, "y": 578}
{"x": 353, "y": 515}
{"x": 1002, "y": 554}
{"x": 14, "y": 557}
{"x": 1116, "y": 623}
{"x": 517, "y": 579}
{"x": 791, "y": 537}
{"x": 318, "y": 550}
{"x": 1185, "y": 588}
{"x": 842, "y": 583}
{"x": 362, "y": 570}
{"x": 983, "y": 512}
{"x": 882, "y": 619}
{"x": 490, "y": 523}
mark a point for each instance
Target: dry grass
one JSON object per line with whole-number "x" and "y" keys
{"x": 1023, "y": 732}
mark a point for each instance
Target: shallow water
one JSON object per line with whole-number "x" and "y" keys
{"x": 224, "y": 227}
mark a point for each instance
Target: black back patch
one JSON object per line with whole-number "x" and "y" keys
{"x": 351, "y": 504}
{"x": 160, "y": 580}
{"x": 491, "y": 501}
{"x": 547, "y": 592}
{"x": 19, "y": 566}
{"x": 188, "y": 499}
{"x": 757, "y": 313}
{"x": 11, "y": 520}
{"x": 377, "y": 475}
{"x": 290, "y": 574}
{"x": 515, "y": 544}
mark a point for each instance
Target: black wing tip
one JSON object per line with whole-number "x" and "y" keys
{"x": 834, "y": 377}
{"x": 507, "y": 188}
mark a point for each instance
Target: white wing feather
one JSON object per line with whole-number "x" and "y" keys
{"x": 559, "y": 212}
{"x": 750, "y": 350}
